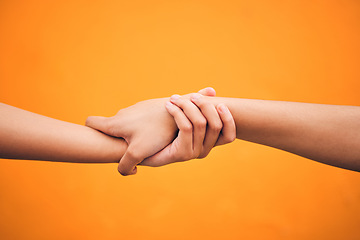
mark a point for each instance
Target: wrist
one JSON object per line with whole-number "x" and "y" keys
{"x": 118, "y": 149}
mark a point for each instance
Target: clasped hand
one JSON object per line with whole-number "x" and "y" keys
{"x": 162, "y": 131}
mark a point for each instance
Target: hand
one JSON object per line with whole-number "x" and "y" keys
{"x": 146, "y": 126}
{"x": 200, "y": 129}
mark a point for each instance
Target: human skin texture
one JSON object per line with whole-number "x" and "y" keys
{"x": 26, "y": 135}
{"x": 148, "y": 128}
{"x": 200, "y": 129}
{"x": 328, "y": 134}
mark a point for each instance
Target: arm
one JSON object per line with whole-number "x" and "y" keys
{"x": 149, "y": 129}
{"x": 26, "y": 135}
{"x": 325, "y": 133}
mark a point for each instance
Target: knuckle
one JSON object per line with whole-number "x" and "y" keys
{"x": 187, "y": 128}
{"x": 228, "y": 138}
{"x": 200, "y": 123}
{"x": 204, "y": 104}
{"x": 180, "y": 102}
{"x": 217, "y": 126}
{"x": 200, "y": 103}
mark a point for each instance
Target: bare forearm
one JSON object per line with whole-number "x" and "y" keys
{"x": 325, "y": 133}
{"x": 26, "y": 135}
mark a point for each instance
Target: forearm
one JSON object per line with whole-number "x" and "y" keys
{"x": 325, "y": 133}
{"x": 26, "y": 135}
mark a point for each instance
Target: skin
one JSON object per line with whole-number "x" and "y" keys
{"x": 26, "y": 135}
{"x": 148, "y": 128}
{"x": 200, "y": 129}
{"x": 325, "y": 133}
{"x": 328, "y": 134}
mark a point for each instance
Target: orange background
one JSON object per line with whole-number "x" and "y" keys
{"x": 71, "y": 59}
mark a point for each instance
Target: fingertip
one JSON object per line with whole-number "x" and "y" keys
{"x": 98, "y": 123}
{"x": 175, "y": 97}
{"x": 208, "y": 91}
{"x": 125, "y": 173}
{"x": 121, "y": 171}
{"x": 90, "y": 120}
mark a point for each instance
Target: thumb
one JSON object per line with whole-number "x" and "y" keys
{"x": 127, "y": 164}
{"x": 99, "y": 123}
{"x": 209, "y": 91}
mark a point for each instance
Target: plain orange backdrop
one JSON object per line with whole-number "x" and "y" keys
{"x": 72, "y": 59}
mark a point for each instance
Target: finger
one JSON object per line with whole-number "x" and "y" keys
{"x": 181, "y": 148}
{"x": 209, "y": 91}
{"x": 161, "y": 158}
{"x": 228, "y": 133}
{"x": 196, "y": 118}
{"x": 185, "y": 129}
{"x": 98, "y": 123}
{"x": 131, "y": 158}
{"x": 214, "y": 123}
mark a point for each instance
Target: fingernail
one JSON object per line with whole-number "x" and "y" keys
{"x": 195, "y": 96}
{"x": 175, "y": 97}
{"x": 223, "y": 109}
